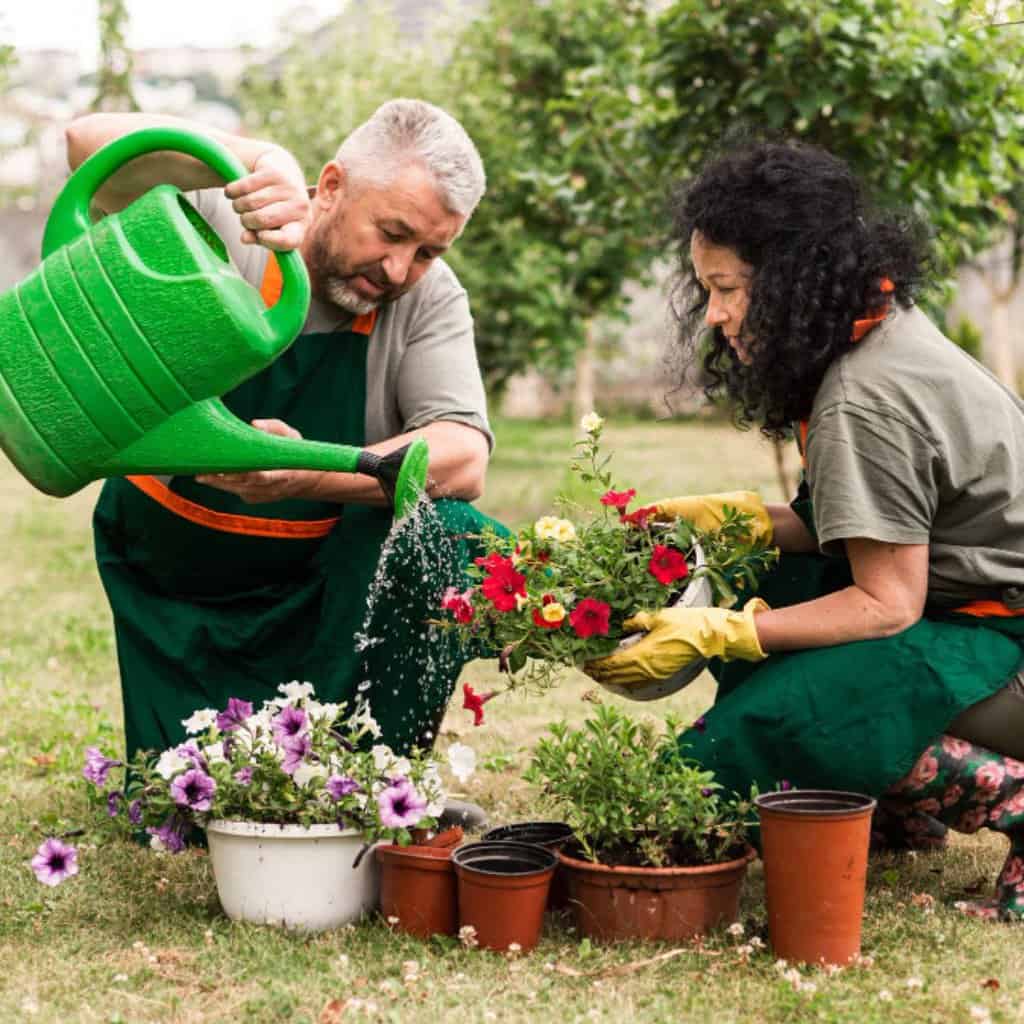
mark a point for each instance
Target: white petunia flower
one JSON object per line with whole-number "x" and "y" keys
{"x": 296, "y": 691}
{"x": 383, "y": 756}
{"x": 362, "y": 719}
{"x": 170, "y": 763}
{"x": 591, "y": 423}
{"x": 199, "y": 721}
{"x": 322, "y": 712}
{"x": 214, "y": 753}
{"x": 306, "y": 772}
{"x": 462, "y": 761}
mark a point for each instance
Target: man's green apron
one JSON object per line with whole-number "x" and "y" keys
{"x": 214, "y": 598}
{"x": 855, "y": 716}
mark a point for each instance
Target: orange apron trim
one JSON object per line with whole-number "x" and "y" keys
{"x": 226, "y": 522}
{"x": 270, "y": 292}
{"x": 984, "y": 609}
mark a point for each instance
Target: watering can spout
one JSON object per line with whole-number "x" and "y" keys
{"x": 208, "y": 438}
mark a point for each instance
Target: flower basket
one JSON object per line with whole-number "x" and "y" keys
{"x": 309, "y": 878}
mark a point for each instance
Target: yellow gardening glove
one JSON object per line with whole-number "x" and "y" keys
{"x": 705, "y": 510}
{"x": 677, "y": 636}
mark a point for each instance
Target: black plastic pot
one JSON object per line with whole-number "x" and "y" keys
{"x": 552, "y": 835}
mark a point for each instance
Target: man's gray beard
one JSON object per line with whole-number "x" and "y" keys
{"x": 347, "y": 298}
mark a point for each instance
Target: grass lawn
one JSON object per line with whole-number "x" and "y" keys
{"x": 139, "y": 936}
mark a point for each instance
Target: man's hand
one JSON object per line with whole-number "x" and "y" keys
{"x": 267, "y": 485}
{"x": 273, "y": 202}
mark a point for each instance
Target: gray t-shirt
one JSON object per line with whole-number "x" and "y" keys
{"x": 911, "y": 441}
{"x": 421, "y": 365}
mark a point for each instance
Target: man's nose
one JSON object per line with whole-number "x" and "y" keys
{"x": 397, "y": 262}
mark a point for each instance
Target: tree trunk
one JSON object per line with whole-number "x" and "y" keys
{"x": 1000, "y": 340}
{"x": 583, "y": 392}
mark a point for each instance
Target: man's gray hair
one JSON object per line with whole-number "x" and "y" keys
{"x": 402, "y": 131}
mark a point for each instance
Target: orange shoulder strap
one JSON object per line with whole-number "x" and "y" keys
{"x": 270, "y": 292}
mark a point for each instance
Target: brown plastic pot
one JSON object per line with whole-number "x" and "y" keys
{"x": 814, "y": 844}
{"x": 613, "y": 904}
{"x": 552, "y": 835}
{"x": 503, "y": 889}
{"x": 418, "y": 888}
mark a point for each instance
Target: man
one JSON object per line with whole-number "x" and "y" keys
{"x": 229, "y": 584}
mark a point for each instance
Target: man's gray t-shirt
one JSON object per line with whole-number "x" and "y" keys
{"x": 911, "y": 441}
{"x": 421, "y": 363}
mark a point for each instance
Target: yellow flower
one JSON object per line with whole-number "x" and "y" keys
{"x": 521, "y": 602}
{"x": 591, "y": 423}
{"x": 553, "y": 528}
{"x": 553, "y": 612}
{"x": 565, "y": 531}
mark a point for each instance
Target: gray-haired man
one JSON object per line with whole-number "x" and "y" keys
{"x": 229, "y": 584}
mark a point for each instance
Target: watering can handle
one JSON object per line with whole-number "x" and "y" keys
{"x": 70, "y": 218}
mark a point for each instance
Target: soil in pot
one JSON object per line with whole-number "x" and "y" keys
{"x": 552, "y": 835}
{"x": 814, "y": 844}
{"x": 503, "y": 890}
{"x": 418, "y": 892}
{"x": 613, "y": 904}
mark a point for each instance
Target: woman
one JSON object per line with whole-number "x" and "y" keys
{"x": 882, "y": 654}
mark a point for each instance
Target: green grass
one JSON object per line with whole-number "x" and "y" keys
{"x": 140, "y": 937}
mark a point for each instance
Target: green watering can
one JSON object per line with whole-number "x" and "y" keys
{"x": 114, "y": 350}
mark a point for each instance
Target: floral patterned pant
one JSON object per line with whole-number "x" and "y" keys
{"x": 968, "y": 788}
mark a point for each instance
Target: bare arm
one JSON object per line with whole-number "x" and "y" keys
{"x": 458, "y": 463}
{"x": 272, "y": 200}
{"x": 887, "y": 596}
{"x": 788, "y": 530}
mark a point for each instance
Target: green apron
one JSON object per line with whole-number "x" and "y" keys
{"x": 202, "y": 613}
{"x": 851, "y": 717}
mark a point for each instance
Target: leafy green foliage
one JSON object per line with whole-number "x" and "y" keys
{"x": 925, "y": 101}
{"x": 632, "y": 797}
{"x": 114, "y": 85}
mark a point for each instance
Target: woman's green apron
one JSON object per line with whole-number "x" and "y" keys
{"x": 855, "y": 716}
{"x": 213, "y": 598}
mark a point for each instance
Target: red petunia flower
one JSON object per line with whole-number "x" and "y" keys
{"x": 502, "y": 586}
{"x": 641, "y": 517}
{"x": 458, "y": 604}
{"x": 492, "y": 561}
{"x": 618, "y": 499}
{"x": 667, "y": 565}
{"x": 473, "y": 701}
{"x": 590, "y": 618}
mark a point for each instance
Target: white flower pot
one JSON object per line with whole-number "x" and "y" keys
{"x": 290, "y": 875}
{"x": 697, "y": 594}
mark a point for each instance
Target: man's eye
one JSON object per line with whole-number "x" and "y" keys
{"x": 424, "y": 255}
{"x": 391, "y": 236}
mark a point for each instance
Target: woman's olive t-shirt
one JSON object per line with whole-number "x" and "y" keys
{"x": 911, "y": 441}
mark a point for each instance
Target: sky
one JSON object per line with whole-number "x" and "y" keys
{"x": 71, "y": 24}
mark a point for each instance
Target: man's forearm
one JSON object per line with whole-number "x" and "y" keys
{"x": 85, "y": 135}
{"x": 458, "y": 463}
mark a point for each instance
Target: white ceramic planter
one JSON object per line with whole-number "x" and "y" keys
{"x": 697, "y": 594}
{"x": 290, "y": 875}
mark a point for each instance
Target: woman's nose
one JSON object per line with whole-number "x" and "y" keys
{"x": 715, "y": 315}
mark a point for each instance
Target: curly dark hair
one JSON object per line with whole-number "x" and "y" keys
{"x": 819, "y": 249}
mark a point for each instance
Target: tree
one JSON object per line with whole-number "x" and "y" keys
{"x": 114, "y": 85}
{"x": 561, "y": 100}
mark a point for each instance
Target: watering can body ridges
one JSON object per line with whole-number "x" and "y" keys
{"x": 137, "y": 319}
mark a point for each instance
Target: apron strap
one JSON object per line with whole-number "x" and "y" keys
{"x": 270, "y": 292}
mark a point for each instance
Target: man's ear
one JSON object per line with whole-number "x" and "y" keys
{"x": 331, "y": 184}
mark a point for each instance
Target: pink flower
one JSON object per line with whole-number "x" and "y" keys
{"x": 502, "y": 585}
{"x": 618, "y": 499}
{"x": 927, "y": 806}
{"x": 972, "y": 819}
{"x": 923, "y": 772}
{"x": 953, "y": 795}
{"x": 1014, "y": 768}
{"x": 1013, "y": 873}
{"x": 590, "y": 618}
{"x": 458, "y": 604}
{"x": 989, "y": 777}
{"x": 667, "y": 565}
{"x": 958, "y": 749}
{"x": 55, "y": 861}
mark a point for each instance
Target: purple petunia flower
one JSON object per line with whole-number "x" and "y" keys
{"x": 244, "y": 775}
{"x": 97, "y": 766}
{"x": 193, "y": 789}
{"x": 114, "y": 799}
{"x": 785, "y": 785}
{"x": 288, "y": 723}
{"x": 234, "y": 715}
{"x": 700, "y": 725}
{"x": 706, "y": 791}
{"x": 54, "y": 861}
{"x": 135, "y": 812}
{"x": 169, "y": 835}
{"x": 338, "y": 786}
{"x": 400, "y": 805}
{"x": 295, "y": 750}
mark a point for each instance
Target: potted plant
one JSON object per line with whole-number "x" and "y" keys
{"x": 557, "y": 594}
{"x": 660, "y": 851}
{"x": 290, "y": 798}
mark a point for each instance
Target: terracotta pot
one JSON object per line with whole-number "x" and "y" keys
{"x": 552, "y": 835}
{"x": 503, "y": 889}
{"x": 814, "y": 844}
{"x": 417, "y": 886}
{"x": 618, "y": 903}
